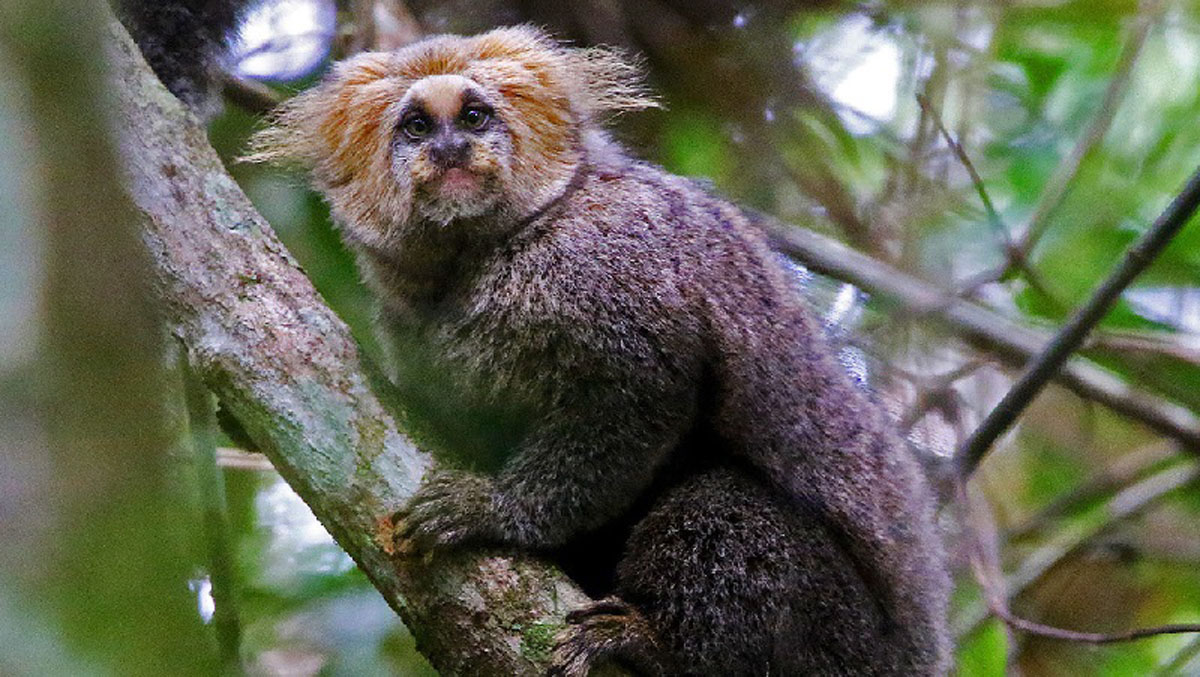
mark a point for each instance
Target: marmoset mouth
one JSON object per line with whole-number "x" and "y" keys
{"x": 458, "y": 181}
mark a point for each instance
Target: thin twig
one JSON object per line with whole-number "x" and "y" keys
{"x": 1108, "y": 480}
{"x": 1131, "y": 502}
{"x": 997, "y": 601}
{"x": 1014, "y": 257}
{"x": 1015, "y": 343}
{"x": 1056, "y": 188}
{"x": 1051, "y": 632}
{"x": 1072, "y": 335}
{"x": 994, "y": 219}
{"x": 982, "y": 541}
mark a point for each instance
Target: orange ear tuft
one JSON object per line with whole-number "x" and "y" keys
{"x": 341, "y": 131}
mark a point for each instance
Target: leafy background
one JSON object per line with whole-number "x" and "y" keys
{"x": 809, "y": 111}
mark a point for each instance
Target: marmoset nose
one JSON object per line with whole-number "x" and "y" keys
{"x": 449, "y": 151}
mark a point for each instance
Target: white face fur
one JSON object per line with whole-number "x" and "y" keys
{"x": 450, "y": 150}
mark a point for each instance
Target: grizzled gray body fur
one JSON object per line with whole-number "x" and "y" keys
{"x": 641, "y": 326}
{"x": 670, "y": 422}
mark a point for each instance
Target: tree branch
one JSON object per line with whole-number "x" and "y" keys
{"x": 994, "y": 220}
{"x": 1072, "y": 335}
{"x": 1014, "y": 258}
{"x": 286, "y": 367}
{"x": 1012, "y": 342}
{"x": 1104, "y": 482}
{"x": 1130, "y": 503}
{"x": 983, "y": 558}
{"x": 248, "y": 95}
{"x": 202, "y": 424}
{"x": 1060, "y": 182}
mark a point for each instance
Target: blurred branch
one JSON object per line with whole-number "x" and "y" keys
{"x": 1072, "y": 335}
{"x": 994, "y": 219}
{"x": 819, "y": 183}
{"x": 362, "y": 14}
{"x": 982, "y": 543}
{"x": 1182, "y": 347}
{"x": 248, "y": 95}
{"x": 91, "y": 577}
{"x": 1008, "y": 340}
{"x": 1132, "y": 502}
{"x": 1176, "y": 664}
{"x": 202, "y": 422}
{"x": 1057, "y": 187}
{"x": 238, "y": 459}
{"x": 1106, "y": 481}
{"x": 936, "y": 393}
{"x": 1014, "y": 258}
{"x": 744, "y": 78}
{"x": 395, "y": 25}
{"x": 287, "y": 368}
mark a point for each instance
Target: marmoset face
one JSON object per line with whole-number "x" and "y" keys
{"x": 450, "y": 148}
{"x": 488, "y": 127}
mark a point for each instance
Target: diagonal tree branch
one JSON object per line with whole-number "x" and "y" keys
{"x": 248, "y": 95}
{"x": 1104, "y": 482}
{"x": 262, "y": 340}
{"x": 1012, "y": 342}
{"x": 1059, "y": 184}
{"x": 1130, "y": 503}
{"x": 1071, "y": 336}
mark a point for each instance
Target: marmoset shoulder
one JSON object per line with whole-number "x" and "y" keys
{"x": 677, "y": 430}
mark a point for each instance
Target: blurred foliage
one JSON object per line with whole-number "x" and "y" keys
{"x": 808, "y": 111}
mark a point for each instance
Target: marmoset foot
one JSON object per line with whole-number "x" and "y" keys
{"x": 609, "y": 631}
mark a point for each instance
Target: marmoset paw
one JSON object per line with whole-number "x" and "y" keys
{"x": 607, "y": 631}
{"x": 451, "y": 507}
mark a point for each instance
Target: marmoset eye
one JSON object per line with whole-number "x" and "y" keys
{"x": 475, "y": 118}
{"x": 417, "y": 127}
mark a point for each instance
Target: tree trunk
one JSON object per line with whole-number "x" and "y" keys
{"x": 259, "y": 335}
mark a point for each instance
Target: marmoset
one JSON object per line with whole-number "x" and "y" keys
{"x": 676, "y": 428}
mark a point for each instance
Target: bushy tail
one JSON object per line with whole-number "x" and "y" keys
{"x": 185, "y": 43}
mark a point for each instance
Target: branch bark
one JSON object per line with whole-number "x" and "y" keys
{"x": 260, "y": 337}
{"x": 1072, "y": 335}
{"x": 1014, "y": 343}
{"x": 1132, "y": 502}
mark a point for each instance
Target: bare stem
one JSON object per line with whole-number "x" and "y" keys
{"x": 1131, "y": 502}
{"x": 203, "y": 424}
{"x": 1072, "y": 335}
{"x": 1012, "y": 342}
{"x": 1056, "y": 188}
